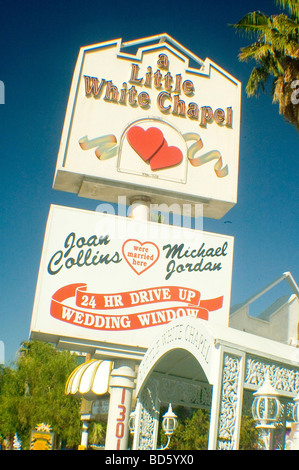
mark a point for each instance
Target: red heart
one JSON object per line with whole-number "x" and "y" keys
{"x": 166, "y": 157}
{"x": 145, "y": 143}
{"x": 140, "y": 256}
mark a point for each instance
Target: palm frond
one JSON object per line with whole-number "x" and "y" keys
{"x": 252, "y": 23}
{"x": 257, "y": 81}
{"x": 265, "y": 55}
{"x": 256, "y": 51}
{"x": 285, "y": 23}
{"x": 276, "y": 53}
{"x": 291, "y": 5}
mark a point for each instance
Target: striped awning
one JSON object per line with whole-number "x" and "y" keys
{"x": 90, "y": 379}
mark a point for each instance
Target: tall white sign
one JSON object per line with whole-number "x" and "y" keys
{"x": 110, "y": 283}
{"x": 149, "y": 117}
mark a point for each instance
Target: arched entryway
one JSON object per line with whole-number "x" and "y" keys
{"x": 178, "y": 379}
{"x": 193, "y": 362}
{"x": 181, "y": 367}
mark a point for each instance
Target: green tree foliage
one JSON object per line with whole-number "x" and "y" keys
{"x": 97, "y": 433}
{"x": 249, "y": 435}
{"x": 276, "y": 53}
{"x": 32, "y": 392}
{"x": 193, "y": 431}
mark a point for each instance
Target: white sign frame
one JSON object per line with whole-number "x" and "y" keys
{"x": 201, "y": 103}
{"x": 108, "y": 284}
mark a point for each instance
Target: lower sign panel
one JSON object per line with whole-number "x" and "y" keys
{"x": 109, "y": 283}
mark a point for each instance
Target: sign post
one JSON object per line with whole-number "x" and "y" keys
{"x": 150, "y": 118}
{"x": 121, "y": 388}
{"x": 123, "y": 375}
{"x": 150, "y": 122}
{"x": 108, "y": 284}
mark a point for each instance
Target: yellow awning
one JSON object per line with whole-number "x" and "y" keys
{"x": 89, "y": 379}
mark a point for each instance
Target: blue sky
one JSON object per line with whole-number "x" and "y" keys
{"x": 39, "y": 44}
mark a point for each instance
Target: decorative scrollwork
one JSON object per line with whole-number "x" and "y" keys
{"x": 185, "y": 393}
{"x": 229, "y": 401}
{"x": 149, "y": 414}
{"x": 282, "y": 378}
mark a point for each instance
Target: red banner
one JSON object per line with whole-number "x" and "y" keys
{"x": 89, "y": 318}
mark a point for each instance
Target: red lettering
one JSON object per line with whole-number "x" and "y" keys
{"x": 120, "y": 426}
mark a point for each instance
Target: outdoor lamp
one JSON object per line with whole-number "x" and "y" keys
{"x": 295, "y": 425}
{"x": 132, "y": 420}
{"x": 169, "y": 422}
{"x": 266, "y": 410}
{"x": 266, "y": 405}
{"x": 296, "y": 408}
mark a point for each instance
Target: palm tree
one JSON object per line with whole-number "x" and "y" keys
{"x": 276, "y": 53}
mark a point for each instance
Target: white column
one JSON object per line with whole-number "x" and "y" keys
{"x": 122, "y": 379}
{"x": 140, "y": 208}
{"x": 147, "y": 417}
{"x": 295, "y": 436}
{"x": 138, "y": 411}
{"x": 227, "y": 399}
{"x": 84, "y": 436}
{"x": 122, "y": 384}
